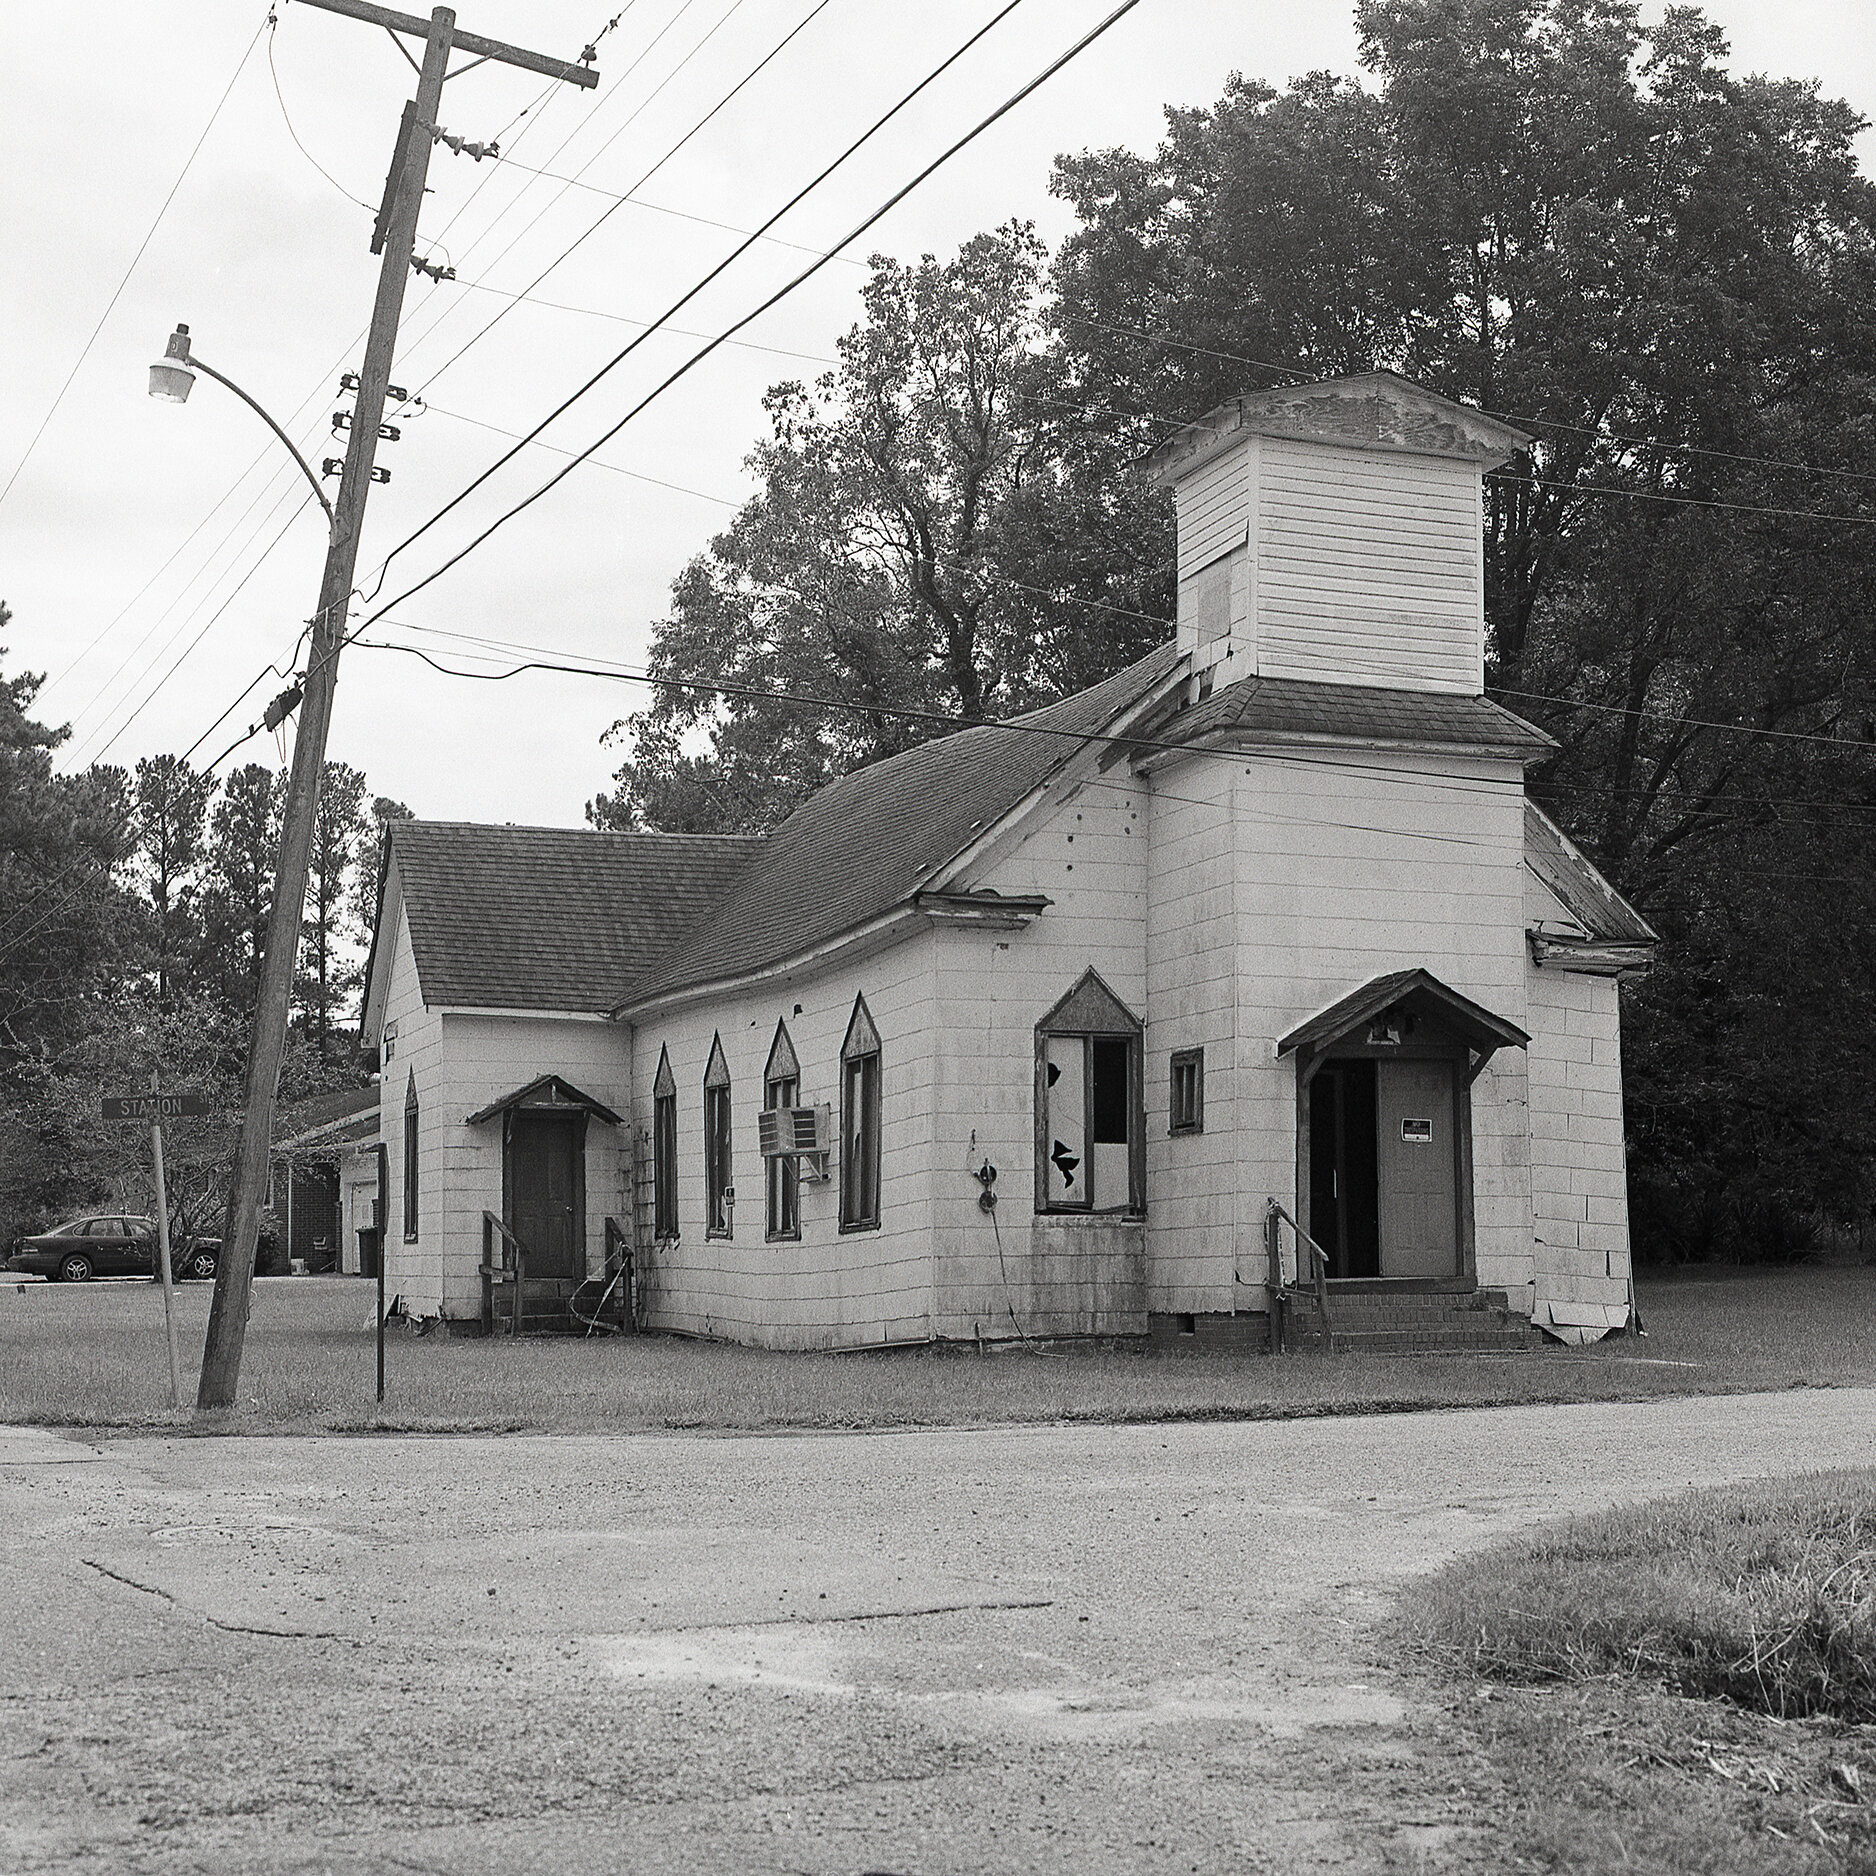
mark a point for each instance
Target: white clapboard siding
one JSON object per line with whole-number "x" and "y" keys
{"x": 1213, "y": 510}
{"x": 1369, "y": 568}
{"x": 1056, "y": 1274}
{"x": 416, "y": 1269}
{"x": 1350, "y": 871}
{"x": 828, "y": 1288}
{"x": 1579, "y": 1168}
{"x": 484, "y": 1058}
{"x": 1199, "y": 1206}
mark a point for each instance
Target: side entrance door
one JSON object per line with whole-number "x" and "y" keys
{"x": 547, "y": 1192}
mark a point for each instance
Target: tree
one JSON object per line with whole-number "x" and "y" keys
{"x": 244, "y": 838}
{"x": 922, "y": 543}
{"x": 64, "y": 917}
{"x": 170, "y": 805}
{"x": 67, "y": 928}
{"x": 1664, "y": 273}
{"x": 329, "y": 973}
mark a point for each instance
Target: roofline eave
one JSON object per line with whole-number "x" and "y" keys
{"x": 1259, "y": 742}
{"x": 874, "y": 934}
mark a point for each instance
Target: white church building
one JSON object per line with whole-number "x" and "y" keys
{"x": 1027, "y": 1028}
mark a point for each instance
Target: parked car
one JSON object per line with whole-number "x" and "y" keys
{"x": 200, "y": 1256}
{"x": 119, "y": 1244}
{"x": 112, "y": 1245}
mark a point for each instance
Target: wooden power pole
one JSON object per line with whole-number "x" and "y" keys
{"x": 396, "y": 234}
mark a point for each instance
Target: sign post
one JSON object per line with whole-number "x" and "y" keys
{"x": 155, "y": 1107}
{"x": 162, "y": 1252}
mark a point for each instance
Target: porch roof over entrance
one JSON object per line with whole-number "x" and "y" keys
{"x": 1422, "y": 993}
{"x": 547, "y": 1094}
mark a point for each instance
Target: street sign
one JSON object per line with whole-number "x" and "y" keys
{"x": 156, "y": 1106}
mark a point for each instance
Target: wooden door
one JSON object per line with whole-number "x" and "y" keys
{"x": 547, "y": 1192}
{"x": 1415, "y": 1114}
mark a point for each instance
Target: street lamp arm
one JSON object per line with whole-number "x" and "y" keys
{"x": 196, "y": 363}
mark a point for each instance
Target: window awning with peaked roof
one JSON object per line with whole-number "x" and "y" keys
{"x": 1421, "y": 993}
{"x": 546, "y": 1094}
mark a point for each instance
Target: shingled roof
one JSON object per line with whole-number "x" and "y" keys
{"x": 550, "y": 918}
{"x": 1296, "y": 709}
{"x": 866, "y": 843}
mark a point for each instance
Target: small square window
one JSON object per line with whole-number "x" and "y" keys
{"x": 1188, "y": 1091}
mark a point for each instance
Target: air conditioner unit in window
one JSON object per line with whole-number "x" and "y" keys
{"x": 799, "y": 1133}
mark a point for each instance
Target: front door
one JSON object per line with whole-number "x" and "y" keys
{"x": 1384, "y": 1166}
{"x": 1415, "y": 1114}
{"x": 547, "y": 1192}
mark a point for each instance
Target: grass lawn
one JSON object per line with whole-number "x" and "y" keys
{"x": 92, "y": 1356}
{"x": 1684, "y": 1687}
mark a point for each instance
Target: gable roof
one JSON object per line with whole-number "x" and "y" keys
{"x": 863, "y": 845}
{"x": 1283, "y": 709}
{"x": 550, "y": 918}
{"x": 546, "y": 1094}
{"x": 1583, "y": 892}
{"x": 1421, "y": 992}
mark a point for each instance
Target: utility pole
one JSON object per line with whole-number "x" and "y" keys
{"x": 396, "y": 234}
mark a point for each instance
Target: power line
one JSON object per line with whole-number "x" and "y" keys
{"x": 151, "y": 693}
{"x": 286, "y": 118}
{"x": 775, "y": 51}
{"x": 644, "y": 104}
{"x": 807, "y": 273}
{"x": 1843, "y": 744}
{"x": 685, "y": 298}
{"x": 546, "y": 657}
{"x": 149, "y": 235}
{"x": 664, "y": 208}
{"x": 1547, "y": 423}
{"x": 617, "y": 469}
{"x": 625, "y": 319}
{"x": 1515, "y": 479}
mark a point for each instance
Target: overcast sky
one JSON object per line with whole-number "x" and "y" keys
{"x": 153, "y": 556}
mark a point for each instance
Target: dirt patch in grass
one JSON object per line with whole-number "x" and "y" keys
{"x": 92, "y": 1355}
{"x": 1686, "y": 1686}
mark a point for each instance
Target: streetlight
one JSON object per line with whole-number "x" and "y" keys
{"x": 172, "y": 378}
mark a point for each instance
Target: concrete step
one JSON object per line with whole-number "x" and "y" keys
{"x": 1505, "y": 1340}
{"x": 1380, "y": 1322}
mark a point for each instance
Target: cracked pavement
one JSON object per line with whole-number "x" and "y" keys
{"x": 1140, "y": 1649}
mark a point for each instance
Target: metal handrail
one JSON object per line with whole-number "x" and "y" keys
{"x": 1319, "y": 1258}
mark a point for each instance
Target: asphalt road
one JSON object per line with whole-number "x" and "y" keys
{"x": 1089, "y": 1649}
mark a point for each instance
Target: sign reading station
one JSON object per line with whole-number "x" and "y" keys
{"x": 156, "y": 1106}
{"x": 1417, "y": 1132}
